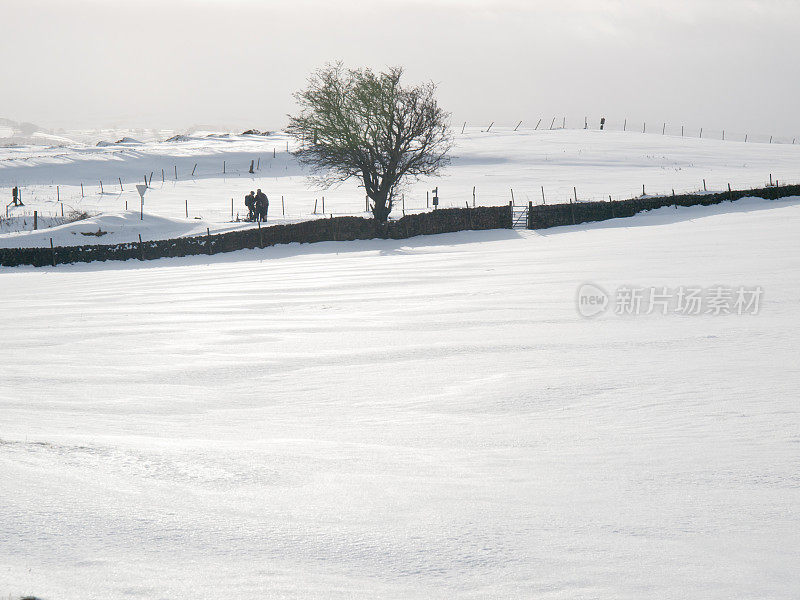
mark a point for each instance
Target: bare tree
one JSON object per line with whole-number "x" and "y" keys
{"x": 358, "y": 123}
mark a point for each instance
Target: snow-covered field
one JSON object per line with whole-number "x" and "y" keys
{"x": 428, "y": 418}
{"x": 213, "y": 178}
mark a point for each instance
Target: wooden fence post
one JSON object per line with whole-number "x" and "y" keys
{"x": 36, "y": 219}
{"x": 141, "y": 248}
{"x": 208, "y": 234}
{"x": 52, "y": 252}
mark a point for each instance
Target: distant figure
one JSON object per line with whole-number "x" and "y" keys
{"x": 602, "y": 123}
{"x": 262, "y": 206}
{"x": 250, "y": 203}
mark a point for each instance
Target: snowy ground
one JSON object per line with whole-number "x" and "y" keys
{"x": 427, "y": 418}
{"x": 598, "y": 164}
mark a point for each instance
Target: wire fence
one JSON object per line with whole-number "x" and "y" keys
{"x": 634, "y": 126}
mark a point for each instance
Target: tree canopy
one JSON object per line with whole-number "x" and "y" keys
{"x": 363, "y": 124}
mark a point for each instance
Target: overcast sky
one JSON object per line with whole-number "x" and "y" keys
{"x": 235, "y": 63}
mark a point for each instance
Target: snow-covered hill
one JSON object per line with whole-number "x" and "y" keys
{"x": 213, "y": 178}
{"x": 428, "y": 418}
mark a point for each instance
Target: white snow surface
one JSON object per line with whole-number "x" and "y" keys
{"x": 427, "y": 418}
{"x": 212, "y": 178}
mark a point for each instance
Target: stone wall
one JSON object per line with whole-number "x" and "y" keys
{"x": 555, "y": 215}
{"x": 320, "y": 230}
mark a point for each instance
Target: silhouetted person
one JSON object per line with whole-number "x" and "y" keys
{"x": 262, "y": 205}
{"x": 250, "y": 203}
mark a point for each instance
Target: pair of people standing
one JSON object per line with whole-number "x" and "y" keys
{"x": 257, "y": 205}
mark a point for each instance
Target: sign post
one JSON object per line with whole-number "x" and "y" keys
{"x": 141, "y": 188}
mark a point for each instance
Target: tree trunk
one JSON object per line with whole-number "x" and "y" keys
{"x": 380, "y": 208}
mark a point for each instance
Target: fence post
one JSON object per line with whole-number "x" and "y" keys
{"x": 62, "y": 209}
{"x": 53, "y": 252}
{"x": 141, "y": 248}
{"x": 58, "y": 196}
{"x": 36, "y": 219}
{"x": 81, "y": 189}
{"x": 208, "y": 234}
{"x": 283, "y": 210}
{"x": 530, "y": 215}
{"x": 511, "y": 214}
{"x": 544, "y": 200}
{"x": 187, "y": 208}
{"x": 231, "y": 209}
